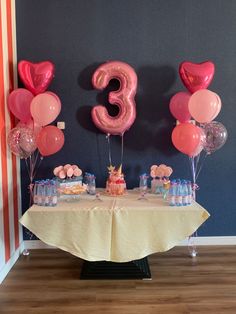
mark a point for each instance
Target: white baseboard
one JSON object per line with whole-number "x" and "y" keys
{"x": 7, "y": 267}
{"x": 37, "y": 244}
{"x": 231, "y": 240}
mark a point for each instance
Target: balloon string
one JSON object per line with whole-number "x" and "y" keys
{"x": 35, "y": 163}
{"x": 122, "y": 148}
{"x": 197, "y": 161}
{"x": 201, "y": 165}
{"x": 27, "y": 167}
{"x": 36, "y": 169}
{"x": 109, "y": 148}
{"x": 193, "y": 170}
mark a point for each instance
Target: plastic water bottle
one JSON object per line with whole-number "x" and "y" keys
{"x": 190, "y": 192}
{"x": 35, "y": 193}
{"x": 143, "y": 182}
{"x": 179, "y": 199}
{"x": 39, "y": 193}
{"x": 47, "y": 192}
{"x": 172, "y": 193}
{"x": 53, "y": 194}
{"x": 92, "y": 185}
{"x": 184, "y": 192}
{"x": 43, "y": 193}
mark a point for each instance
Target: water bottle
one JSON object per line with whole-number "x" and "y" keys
{"x": 54, "y": 194}
{"x": 43, "y": 193}
{"x": 172, "y": 193}
{"x": 35, "y": 192}
{"x": 92, "y": 185}
{"x": 184, "y": 192}
{"x": 190, "y": 192}
{"x": 143, "y": 182}
{"x": 39, "y": 193}
{"x": 179, "y": 198}
{"x": 47, "y": 188}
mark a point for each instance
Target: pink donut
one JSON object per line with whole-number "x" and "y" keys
{"x": 153, "y": 174}
{"x": 77, "y": 172}
{"x": 154, "y": 167}
{"x": 57, "y": 170}
{"x": 66, "y": 167}
{"x": 70, "y": 172}
{"x": 74, "y": 167}
{"x": 168, "y": 171}
{"x": 62, "y": 174}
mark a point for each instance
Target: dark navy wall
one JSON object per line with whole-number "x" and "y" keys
{"x": 153, "y": 37}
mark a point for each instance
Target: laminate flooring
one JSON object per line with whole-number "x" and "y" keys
{"x": 48, "y": 281}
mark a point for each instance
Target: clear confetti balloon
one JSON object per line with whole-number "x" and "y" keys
{"x": 216, "y": 136}
{"x": 22, "y": 141}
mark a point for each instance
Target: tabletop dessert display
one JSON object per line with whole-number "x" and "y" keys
{"x": 69, "y": 179}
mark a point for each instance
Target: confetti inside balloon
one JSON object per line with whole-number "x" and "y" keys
{"x": 216, "y": 136}
{"x": 22, "y": 142}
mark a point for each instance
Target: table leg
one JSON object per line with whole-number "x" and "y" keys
{"x": 192, "y": 248}
{"x": 138, "y": 269}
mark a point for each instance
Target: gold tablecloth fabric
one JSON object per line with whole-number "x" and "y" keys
{"x": 117, "y": 229}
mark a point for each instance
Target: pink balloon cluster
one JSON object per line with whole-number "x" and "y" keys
{"x": 160, "y": 171}
{"x": 35, "y": 108}
{"x": 67, "y": 171}
{"x": 199, "y": 103}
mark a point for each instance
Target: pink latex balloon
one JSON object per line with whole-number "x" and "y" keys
{"x": 36, "y": 76}
{"x": 179, "y": 106}
{"x": 196, "y": 76}
{"x": 21, "y": 141}
{"x": 53, "y": 94}
{"x": 45, "y": 108}
{"x": 19, "y": 103}
{"x": 204, "y": 105}
{"x": 50, "y": 140}
{"x": 187, "y": 138}
{"x": 32, "y": 125}
{"x": 123, "y": 98}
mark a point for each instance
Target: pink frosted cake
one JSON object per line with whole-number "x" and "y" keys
{"x": 115, "y": 184}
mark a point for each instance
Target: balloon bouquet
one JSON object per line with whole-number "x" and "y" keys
{"x": 35, "y": 108}
{"x": 123, "y": 98}
{"x": 203, "y": 105}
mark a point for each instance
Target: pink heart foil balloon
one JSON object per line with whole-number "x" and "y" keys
{"x": 196, "y": 76}
{"x": 36, "y": 76}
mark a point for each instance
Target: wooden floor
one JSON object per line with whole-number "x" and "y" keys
{"x": 48, "y": 282}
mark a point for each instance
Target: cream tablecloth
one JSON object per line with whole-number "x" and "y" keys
{"x": 117, "y": 229}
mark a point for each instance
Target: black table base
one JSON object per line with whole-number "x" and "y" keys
{"x": 138, "y": 269}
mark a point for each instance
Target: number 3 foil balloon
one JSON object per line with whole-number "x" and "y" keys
{"x": 123, "y": 97}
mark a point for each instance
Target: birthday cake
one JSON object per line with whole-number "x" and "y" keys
{"x": 115, "y": 184}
